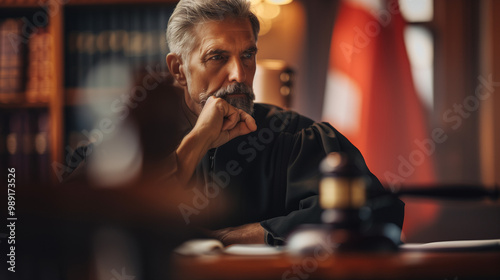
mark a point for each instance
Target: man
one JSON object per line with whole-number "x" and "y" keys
{"x": 265, "y": 158}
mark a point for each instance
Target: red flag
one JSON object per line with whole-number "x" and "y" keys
{"x": 371, "y": 97}
{"x": 380, "y": 110}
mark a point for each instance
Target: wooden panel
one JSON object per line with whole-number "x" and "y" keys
{"x": 490, "y": 118}
{"x": 56, "y": 99}
{"x": 496, "y": 78}
{"x": 456, "y": 72}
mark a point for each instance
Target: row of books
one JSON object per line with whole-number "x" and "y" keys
{"x": 25, "y": 144}
{"x": 113, "y": 38}
{"x": 25, "y": 61}
{"x": 40, "y": 69}
{"x": 101, "y": 43}
{"x": 12, "y": 56}
{"x": 109, "y": 38}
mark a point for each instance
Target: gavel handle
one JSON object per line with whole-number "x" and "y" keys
{"x": 449, "y": 192}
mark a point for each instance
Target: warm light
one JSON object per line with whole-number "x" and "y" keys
{"x": 268, "y": 86}
{"x": 420, "y": 46}
{"x": 417, "y": 10}
{"x": 265, "y": 26}
{"x": 279, "y": 2}
{"x": 272, "y": 64}
{"x": 267, "y": 11}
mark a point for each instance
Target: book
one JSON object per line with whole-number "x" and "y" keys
{"x": 4, "y": 122}
{"x": 200, "y": 247}
{"x": 71, "y": 51}
{"x": 40, "y": 68}
{"x": 41, "y": 158}
{"x": 12, "y": 56}
{"x": 14, "y": 141}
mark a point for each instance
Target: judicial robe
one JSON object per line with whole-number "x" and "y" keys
{"x": 272, "y": 175}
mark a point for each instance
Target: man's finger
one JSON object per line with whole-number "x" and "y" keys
{"x": 248, "y": 119}
{"x": 242, "y": 128}
{"x": 231, "y": 117}
{"x": 245, "y": 125}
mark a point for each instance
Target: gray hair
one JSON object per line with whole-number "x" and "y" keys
{"x": 189, "y": 13}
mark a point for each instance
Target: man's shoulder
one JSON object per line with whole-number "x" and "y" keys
{"x": 264, "y": 110}
{"x": 264, "y": 107}
{"x": 266, "y": 114}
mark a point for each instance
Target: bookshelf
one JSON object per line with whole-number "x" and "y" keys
{"x": 50, "y": 81}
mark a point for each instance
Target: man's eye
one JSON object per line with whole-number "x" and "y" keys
{"x": 217, "y": 57}
{"x": 248, "y": 55}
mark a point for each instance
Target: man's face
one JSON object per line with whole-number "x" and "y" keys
{"x": 222, "y": 64}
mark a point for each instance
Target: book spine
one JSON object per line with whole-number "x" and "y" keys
{"x": 82, "y": 46}
{"x": 12, "y": 56}
{"x": 47, "y": 67}
{"x": 38, "y": 86}
{"x": 136, "y": 43}
{"x": 71, "y": 51}
{"x": 3, "y": 56}
{"x": 101, "y": 56}
{"x": 14, "y": 145}
{"x": 92, "y": 48}
{"x": 116, "y": 39}
{"x": 41, "y": 146}
{"x": 28, "y": 166}
{"x": 4, "y": 123}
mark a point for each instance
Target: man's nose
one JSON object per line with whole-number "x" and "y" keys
{"x": 236, "y": 70}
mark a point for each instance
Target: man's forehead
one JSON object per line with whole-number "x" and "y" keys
{"x": 227, "y": 34}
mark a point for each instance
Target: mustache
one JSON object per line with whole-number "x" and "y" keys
{"x": 237, "y": 88}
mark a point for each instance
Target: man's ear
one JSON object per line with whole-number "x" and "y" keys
{"x": 177, "y": 68}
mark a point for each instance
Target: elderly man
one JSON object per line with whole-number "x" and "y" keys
{"x": 264, "y": 158}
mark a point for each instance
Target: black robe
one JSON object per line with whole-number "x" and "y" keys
{"x": 272, "y": 175}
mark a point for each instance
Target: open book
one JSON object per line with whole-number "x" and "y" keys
{"x": 198, "y": 247}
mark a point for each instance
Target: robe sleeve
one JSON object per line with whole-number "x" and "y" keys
{"x": 309, "y": 146}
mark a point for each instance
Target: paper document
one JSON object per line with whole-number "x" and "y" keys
{"x": 253, "y": 250}
{"x": 458, "y": 245}
{"x": 197, "y": 247}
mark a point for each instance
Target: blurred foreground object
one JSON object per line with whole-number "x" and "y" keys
{"x": 84, "y": 232}
{"x": 347, "y": 224}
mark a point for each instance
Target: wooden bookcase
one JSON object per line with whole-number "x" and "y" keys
{"x": 60, "y": 96}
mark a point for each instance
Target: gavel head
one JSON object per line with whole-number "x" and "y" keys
{"x": 347, "y": 225}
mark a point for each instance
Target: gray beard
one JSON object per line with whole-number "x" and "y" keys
{"x": 245, "y": 104}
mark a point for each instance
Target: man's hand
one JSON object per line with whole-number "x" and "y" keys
{"x": 245, "y": 234}
{"x": 219, "y": 122}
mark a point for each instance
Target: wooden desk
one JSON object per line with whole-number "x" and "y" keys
{"x": 402, "y": 265}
